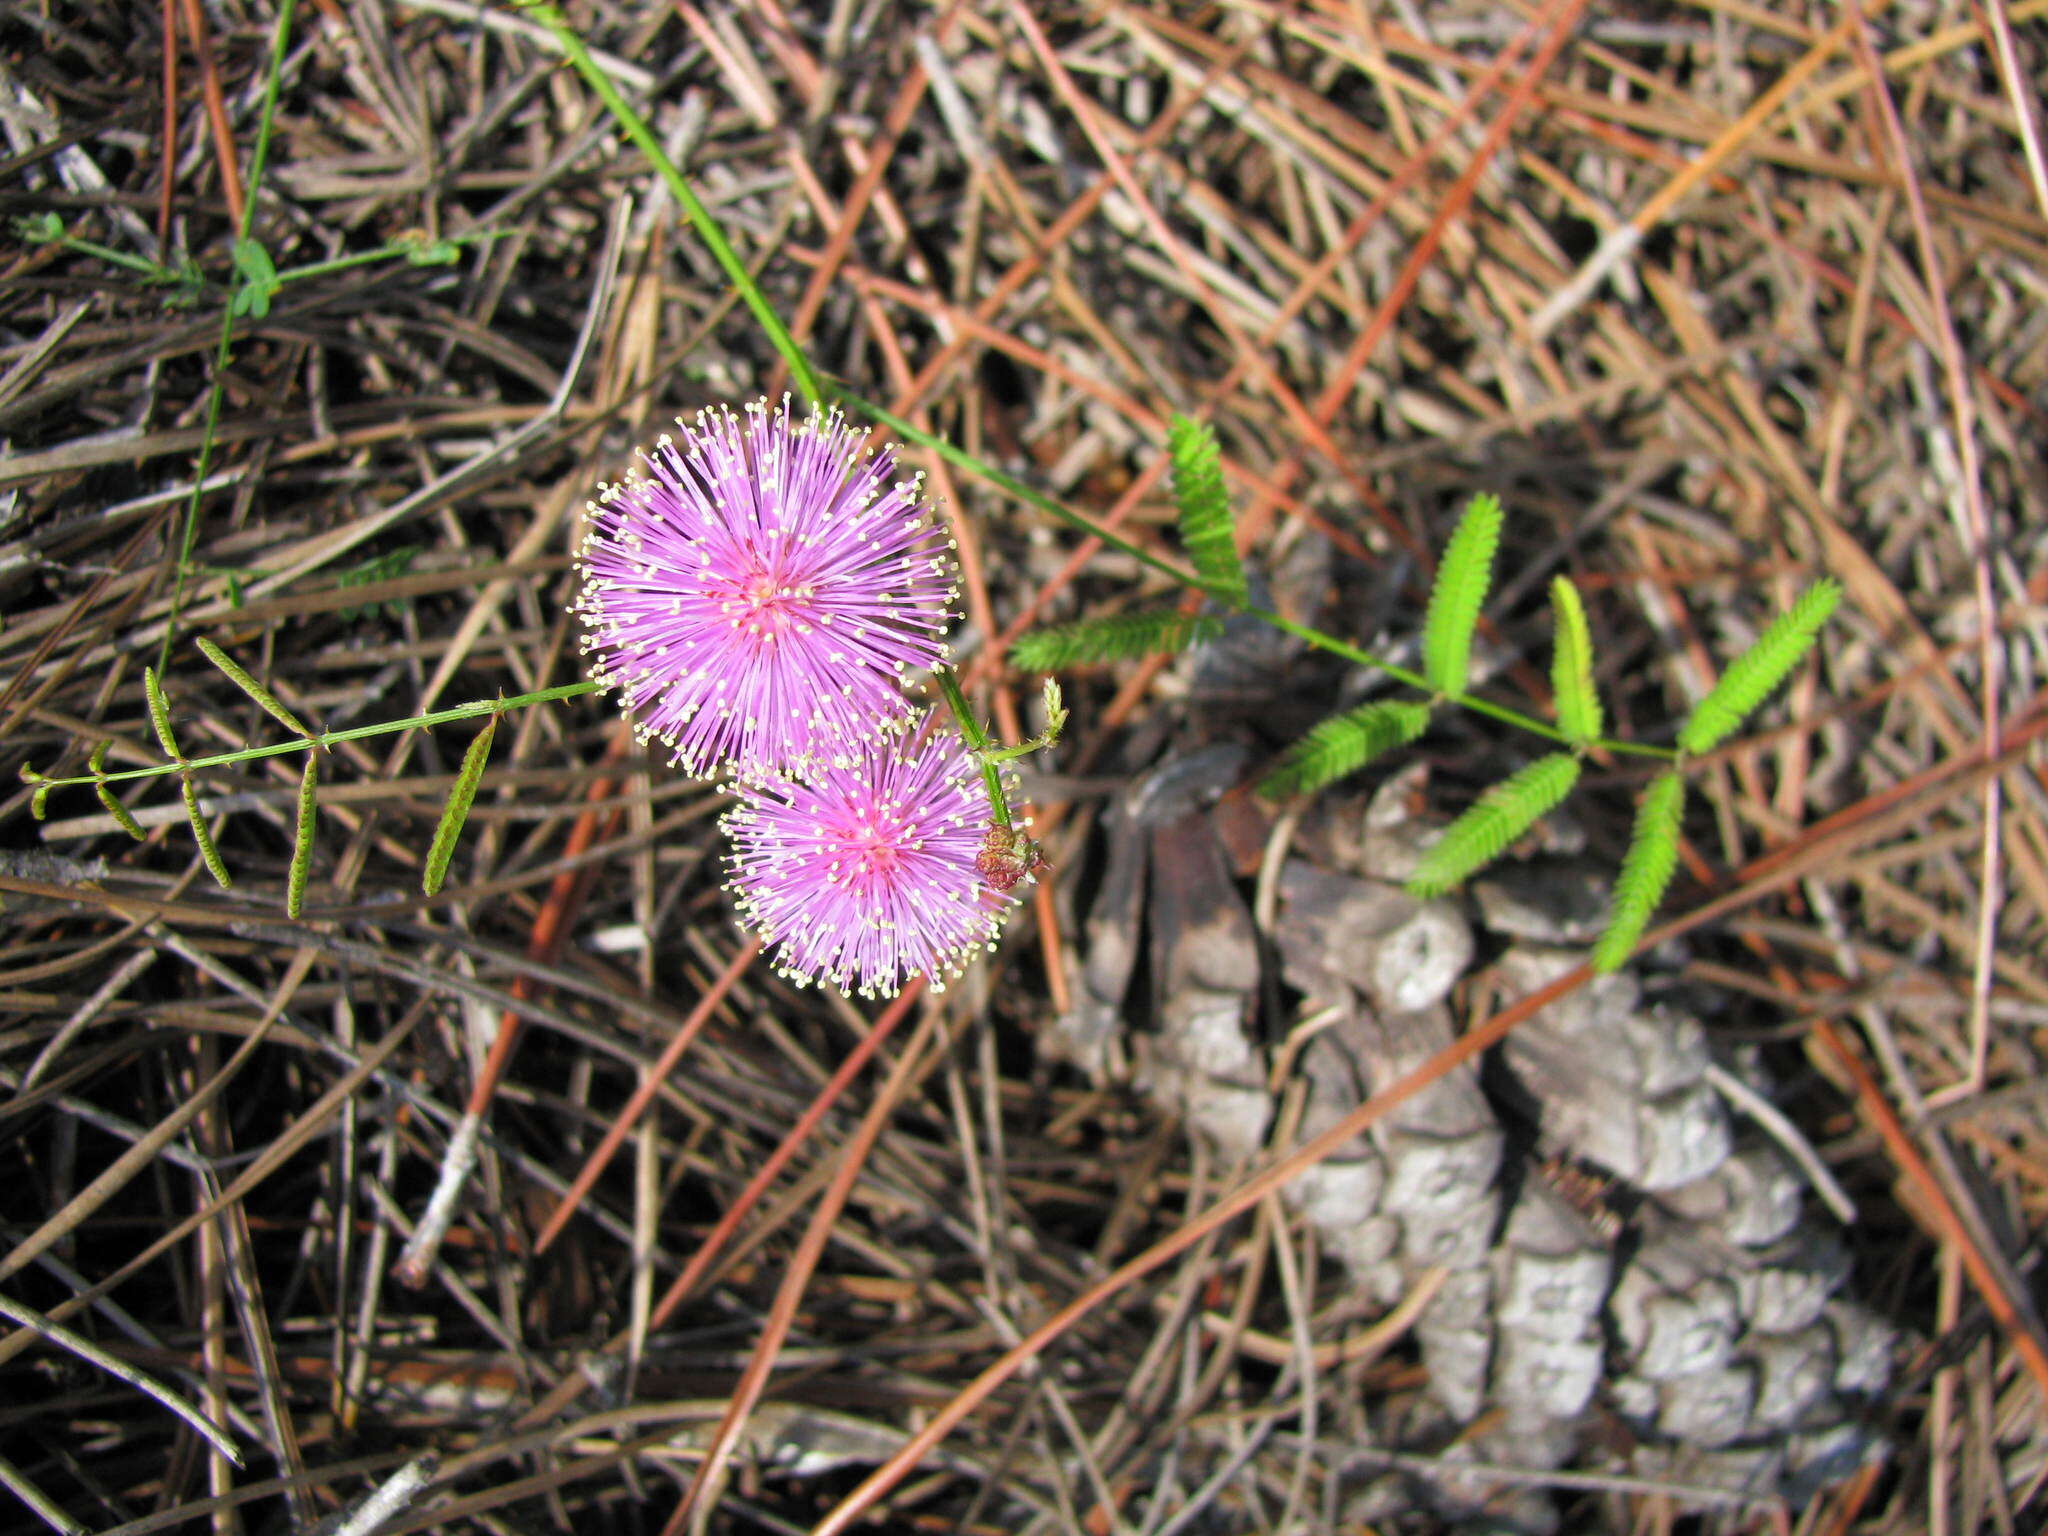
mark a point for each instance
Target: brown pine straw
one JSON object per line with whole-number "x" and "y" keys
{"x": 850, "y": 1066}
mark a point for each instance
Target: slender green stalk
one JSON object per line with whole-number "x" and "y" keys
{"x": 1083, "y": 523}
{"x": 817, "y": 390}
{"x": 801, "y": 372}
{"x": 1010, "y": 484}
{"x": 978, "y": 741}
{"x": 217, "y": 391}
{"x": 328, "y": 739}
{"x": 155, "y": 271}
{"x": 416, "y": 253}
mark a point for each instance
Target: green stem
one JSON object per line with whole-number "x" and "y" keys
{"x": 800, "y": 371}
{"x": 978, "y": 742}
{"x": 816, "y": 390}
{"x": 218, "y": 389}
{"x": 326, "y": 739}
{"x": 1004, "y": 481}
{"x": 156, "y": 272}
{"x": 400, "y": 251}
{"x": 1316, "y": 637}
{"x": 1478, "y": 706}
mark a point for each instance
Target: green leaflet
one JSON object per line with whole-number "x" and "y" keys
{"x": 1112, "y": 639}
{"x": 1645, "y": 872}
{"x": 1571, "y": 667}
{"x": 456, "y": 811}
{"x": 254, "y": 689}
{"x": 1343, "y": 744}
{"x": 1206, "y": 526}
{"x": 1459, "y": 594}
{"x": 1750, "y": 677}
{"x": 302, "y": 837}
{"x": 160, "y": 714}
{"x": 119, "y": 812}
{"x": 204, "y": 837}
{"x": 1499, "y": 816}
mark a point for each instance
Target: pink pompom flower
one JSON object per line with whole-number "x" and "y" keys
{"x": 869, "y": 870}
{"x": 757, "y": 593}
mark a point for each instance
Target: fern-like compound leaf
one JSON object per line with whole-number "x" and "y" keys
{"x": 302, "y": 837}
{"x": 1459, "y": 594}
{"x": 204, "y": 837}
{"x": 1645, "y": 872}
{"x": 160, "y": 714}
{"x": 126, "y": 822}
{"x": 1206, "y": 526}
{"x": 262, "y": 695}
{"x": 1749, "y": 679}
{"x": 1571, "y": 667}
{"x": 1116, "y": 638}
{"x": 456, "y": 811}
{"x": 1496, "y": 819}
{"x": 1343, "y": 744}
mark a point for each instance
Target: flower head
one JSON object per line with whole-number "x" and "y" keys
{"x": 865, "y": 871}
{"x": 757, "y": 592}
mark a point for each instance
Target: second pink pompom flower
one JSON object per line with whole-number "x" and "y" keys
{"x": 756, "y": 594}
{"x": 870, "y": 870}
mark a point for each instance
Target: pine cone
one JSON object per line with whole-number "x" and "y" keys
{"x": 1651, "y": 1263}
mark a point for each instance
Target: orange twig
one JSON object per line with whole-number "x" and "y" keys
{"x": 849, "y": 1068}
{"x": 594, "y": 1165}
{"x": 802, "y": 1263}
{"x": 216, "y": 111}
{"x": 1899, "y": 1145}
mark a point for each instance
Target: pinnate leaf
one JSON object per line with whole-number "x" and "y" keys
{"x": 126, "y": 822}
{"x": 262, "y": 695}
{"x": 1495, "y": 820}
{"x": 160, "y": 714}
{"x": 302, "y": 837}
{"x": 1751, "y": 676}
{"x": 1571, "y": 667}
{"x": 1116, "y": 638}
{"x": 1460, "y": 592}
{"x": 204, "y": 836}
{"x": 1206, "y": 526}
{"x": 456, "y": 811}
{"x": 1343, "y": 744}
{"x": 1646, "y": 871}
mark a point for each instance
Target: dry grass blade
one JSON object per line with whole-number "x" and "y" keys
{"x": 131, "y": 1162}
{"x": 36, "y": 1501}
{"x": 85, "y": 1349}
